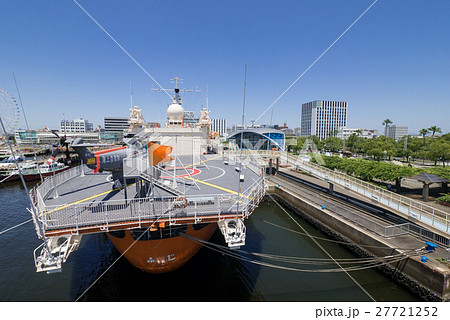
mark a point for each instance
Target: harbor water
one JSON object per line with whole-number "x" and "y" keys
{"x": 97, "y": 273}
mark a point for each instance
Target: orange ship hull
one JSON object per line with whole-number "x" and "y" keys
{"x": 160, "y": 250}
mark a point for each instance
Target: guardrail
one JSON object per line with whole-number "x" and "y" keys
{"x": 430, "y": 216}
{"x": 52, "y": 182}
{"x": 104, "y": 213}
{"x": 363, "y": 221}
{"x": 376, "y": 227}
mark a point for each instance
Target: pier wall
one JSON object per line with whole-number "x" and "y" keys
{"x": 430, "y": 281}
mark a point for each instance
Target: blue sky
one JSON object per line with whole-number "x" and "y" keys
{"x": 394, "y": 63}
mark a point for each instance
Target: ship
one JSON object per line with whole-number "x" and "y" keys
{"x": 158, "y": 197}
{"x": 31, "y": 171}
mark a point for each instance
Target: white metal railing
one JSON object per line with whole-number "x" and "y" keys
{"x": 134, "y": 165}
{"x": 51, "y": 182}
{"x": 369, "y": 224}
{"x": 435, "y": 218}
{"x": 112, "y": 211}
{"x": 363, "y": 221}
{"x": 104, "y": 213}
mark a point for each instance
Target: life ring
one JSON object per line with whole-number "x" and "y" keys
{"x": 180, "y": 202}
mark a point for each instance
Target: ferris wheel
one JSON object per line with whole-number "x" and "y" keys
{"x": 9, "y": 112}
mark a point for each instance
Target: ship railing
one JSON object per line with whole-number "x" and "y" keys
{"x": 52, "y": 182}
{"x": 105, "y": 213}
{"x": 40, "y": 192}
{"x": 134, "y": 165}
{"x": 435, "y": 218}
{"x": 37, "y": 205}
{"x": 250, "y": 159}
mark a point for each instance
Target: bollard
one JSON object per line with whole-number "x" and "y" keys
{"x": 430, "y": 246}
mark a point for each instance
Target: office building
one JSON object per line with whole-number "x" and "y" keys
{"x": 78, "y": 125}
{"x": 396, "y": 132}
{"x": 219, "y": 126}
{"x": 322, "y": 118}
{"x": 189, "y": 119}
{"x": 48, "y": 138}
{"x": 344, "y": 133}
{"x": 116, "y": 124}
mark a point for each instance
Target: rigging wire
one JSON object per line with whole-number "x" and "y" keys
{"x": 233, "y": 254}
{"x": 240, "y": 149}
{"x": 315, "y": 241}
{"x": 120, "y": 256}
{"x": 315, "y": 61}
{"x": 314, "y": 261}
{"x": 9, "y": 229}
{"x": 114, "y": 262}
{"x": 123, "y": 49}
{"x": 330, "y": 240}
{"x": 28, "y": 127}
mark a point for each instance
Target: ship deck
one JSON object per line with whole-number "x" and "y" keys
{"x": 85, "y": 202}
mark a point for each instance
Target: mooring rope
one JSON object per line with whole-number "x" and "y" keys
{"x": 234, "y": 254}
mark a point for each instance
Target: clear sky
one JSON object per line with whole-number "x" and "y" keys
{"x": 394, "y": 63}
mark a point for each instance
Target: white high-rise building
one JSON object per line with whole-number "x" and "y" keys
{"x": 219, "y": 126}
{"x": 321, "y": 118}
{"x": 77, "y": 125}
{"x": 396, "y": 132}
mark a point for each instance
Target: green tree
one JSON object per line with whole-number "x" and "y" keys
{"x": 351, "y": 142}
{"x": 423, "y": 132}
{"x": 333, "y": 133}
{"x": 331, "y": 143}
{"x": 386, "y": 123}
{"x": 439, "y": 150}
{"x": 434, "y": 129}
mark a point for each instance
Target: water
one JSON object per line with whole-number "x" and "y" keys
{"x": 209, "y": 276}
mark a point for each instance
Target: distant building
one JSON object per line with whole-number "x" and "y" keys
{"x": 26, "y": 136}
{"x": 189, "y": 118}
{"x": 219, "y": 126}
{"x": 78, "y": 125}
{"x": 320, "y": 118}
{"x": 259, "y": 138}
{"x": 116, "y": 124}
{"x": 46, "y": 137}
{"x": 284, "y": 126}
{"x": 288, "y": 132}
{"x": 344, "y": 133}
{"x": 396, "y": 132}
{"x": 237, "y": 127}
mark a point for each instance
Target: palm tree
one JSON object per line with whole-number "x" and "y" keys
{"x": 333, "y": 133}
{"x": 423, "y": 132}
{"x": 434, "y": 129}
{"x": 359, "y": 133}
{"x": 386, "y": 123}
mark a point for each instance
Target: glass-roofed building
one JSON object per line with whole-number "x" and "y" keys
{"x": 259, "y": 139}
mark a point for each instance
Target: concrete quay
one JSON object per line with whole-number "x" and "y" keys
{"x": 429, "y": 280}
